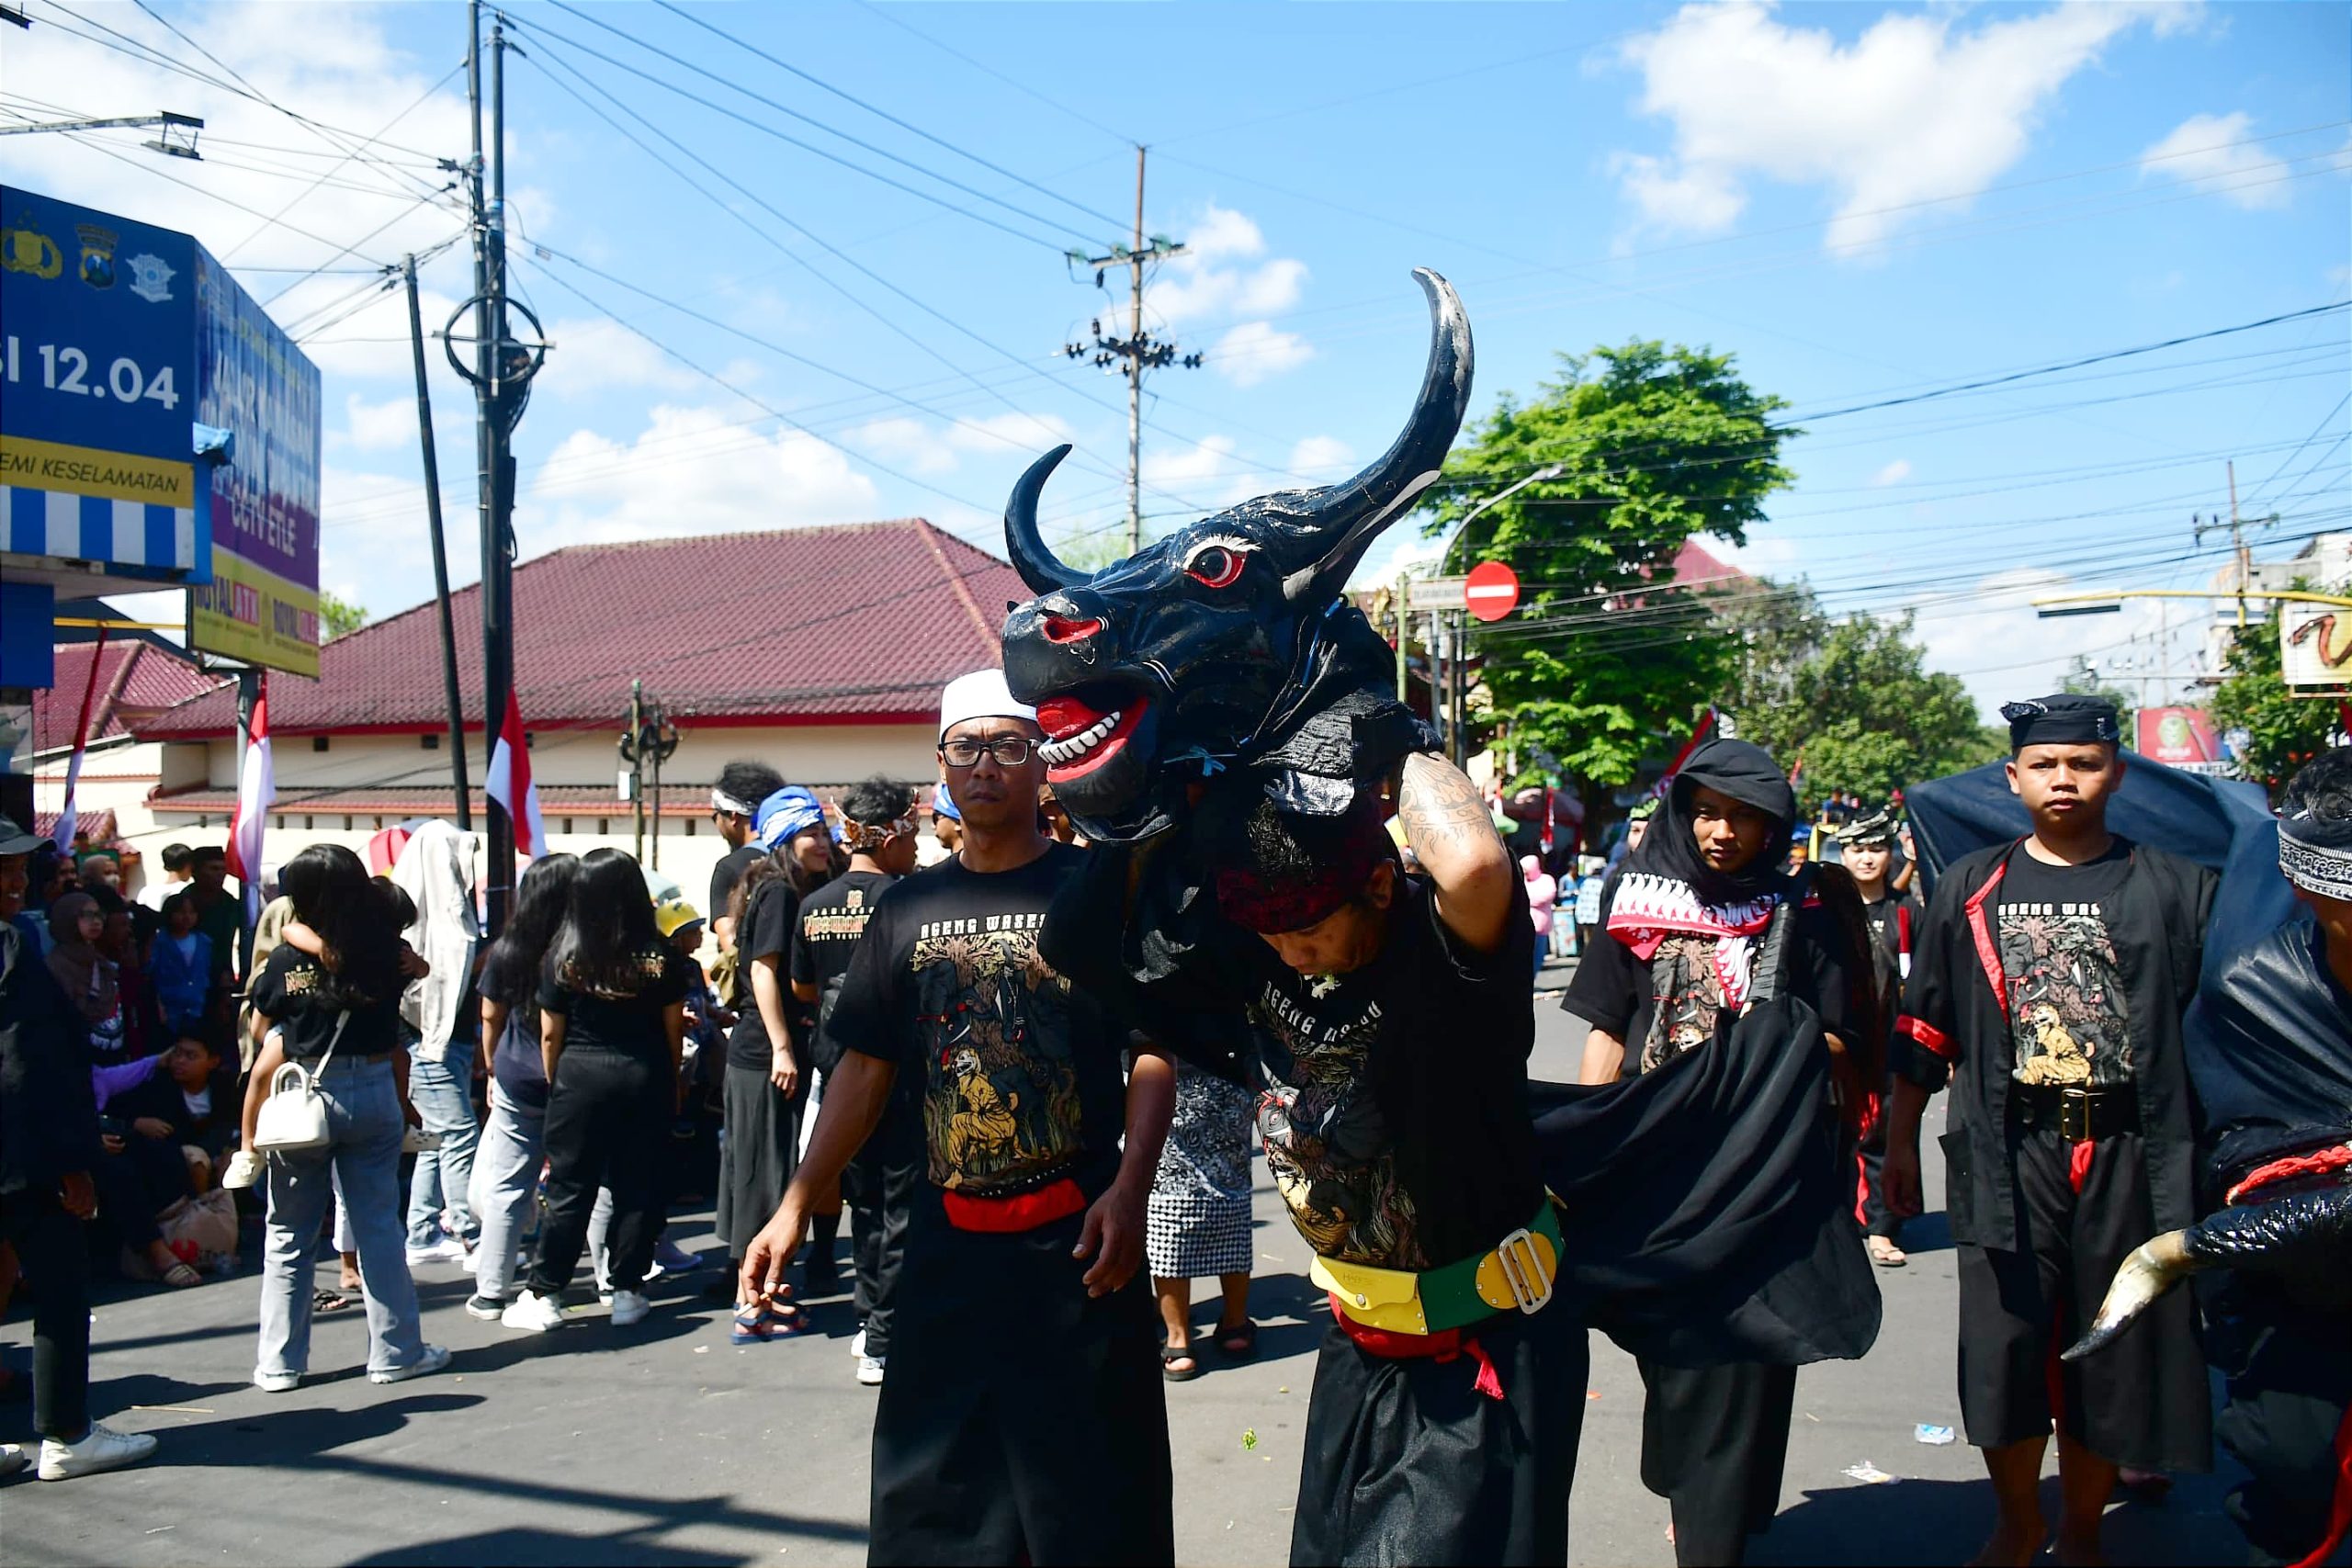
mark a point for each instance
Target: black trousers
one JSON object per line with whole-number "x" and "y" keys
{"x": 879, "y": 1186}
{"x": 2142, "y": 1402}
{"x": 1406, "y": 1462}
{"x": 609, "y": 1122}
{"x": 1869, "y": 1196}
{"x": 50, "y": 1243}
{"x": 1022, "y": 1421}
{"x": 1714, "y": 1442}
{"x": 138, "y": 1184}
{"x": 2289, "y": 1405}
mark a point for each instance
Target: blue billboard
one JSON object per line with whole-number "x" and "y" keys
{"x": 97, "y": 360}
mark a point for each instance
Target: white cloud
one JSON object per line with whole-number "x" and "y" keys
{"x": 1254, "y": 351}
{"x": 929, "y": 447}
{"x": 593, "y": 490}
{"x": 1997, "y": 644}
{"x": 1915, "y": 107}
{"x": 1320, "y": 460}
{"x": 1220, "y": 276}
{"x": 1894, "y": 473}
{"x": 373, "y": 427}
{"x": 2202, "y": 152}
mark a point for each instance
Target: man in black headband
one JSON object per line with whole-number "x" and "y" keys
{"x": 1866, "y": 848}
{"x": 1383, "y": 1019}
{"x": 1673, "y": 966}
{"x": 2050, "y": 978}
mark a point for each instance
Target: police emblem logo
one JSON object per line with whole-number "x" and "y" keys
{"x": 98, "y": 254}
{"x": 151, "y": 277}
{"x": 25, "y": 249}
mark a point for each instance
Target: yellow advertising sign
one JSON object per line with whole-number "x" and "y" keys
{"x": 251, "y": 613}
{"x": 85, "y": 471}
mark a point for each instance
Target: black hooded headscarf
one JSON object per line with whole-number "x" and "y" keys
{"x": 1746, "y": 774}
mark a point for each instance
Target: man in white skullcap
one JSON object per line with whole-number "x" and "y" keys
{"x": 1023, "y": 1417}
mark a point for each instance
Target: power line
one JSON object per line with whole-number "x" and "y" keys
{"x": 300, "y": 195}
{"x": 540, "y": 30}
{"x": 814, "y": 81}
{"x": 885, "y": 14}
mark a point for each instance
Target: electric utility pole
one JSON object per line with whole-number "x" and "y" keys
{"x": 501, "y": 373}
{"x": 1135, "y": 352}
{"x": 2241, "y": 558}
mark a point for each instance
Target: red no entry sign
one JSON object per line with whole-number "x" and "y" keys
{"x": 1491, "y": 591}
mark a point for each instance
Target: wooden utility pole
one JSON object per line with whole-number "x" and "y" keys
{"x": 1137, "y": 352}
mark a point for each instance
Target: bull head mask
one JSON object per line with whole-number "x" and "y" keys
{"x": 1222, "y": 646}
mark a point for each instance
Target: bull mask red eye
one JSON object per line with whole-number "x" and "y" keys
{"x": 1215, "y": 566}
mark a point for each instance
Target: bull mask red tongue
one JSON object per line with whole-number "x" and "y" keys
{"x": 1063, "y": 717}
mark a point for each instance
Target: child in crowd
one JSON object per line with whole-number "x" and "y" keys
{"x": 181, "y": 967}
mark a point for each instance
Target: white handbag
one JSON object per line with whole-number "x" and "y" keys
{"x": 294, "y": 1116}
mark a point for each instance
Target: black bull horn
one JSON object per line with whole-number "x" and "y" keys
{"x": 1341, "y": 519}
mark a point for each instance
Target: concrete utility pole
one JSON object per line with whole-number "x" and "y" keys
{"x": 2241, "y": 557}
{"x": 1137, "y": 352}
{"x": 440, "y": 558}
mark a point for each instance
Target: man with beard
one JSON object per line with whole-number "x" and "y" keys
{"x": 1866, "y": 848}
{"x": 1675, "y": 962}
{"x": 1023, "y": 1417}
{"x": 2050, "y": 978}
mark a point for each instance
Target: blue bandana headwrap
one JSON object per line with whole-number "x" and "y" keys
{"x": 785, "y": 815}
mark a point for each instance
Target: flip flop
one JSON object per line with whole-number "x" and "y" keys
{"x": 180, "y": 1277}
{"x": 324, "y": 1301}
{"x": 1884, "y": 1253}
{"x": 1171, "y": 1354}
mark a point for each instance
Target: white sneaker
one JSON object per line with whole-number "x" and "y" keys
{"x": 448, "y": 1250}
{"x": 102, "y": 1448}
{"x": 857, "y": 1343}
{"x": 629, "y": 1307}
{"x": 535, "y": 1311}
{"x": 424, "y": 1366}
{"x": 244, "y": 1170}
{"x": 277, "y": 1383}
{"x": 869, "y": 1371}
{"x": 12, "y": 1459}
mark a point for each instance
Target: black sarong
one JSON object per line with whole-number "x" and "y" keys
{"x": 1405, "y": 1461}
{"x": 2142, "y": 1401}
{"x": 1715, "y": 1445}
{"x": 1021, "y": 1420}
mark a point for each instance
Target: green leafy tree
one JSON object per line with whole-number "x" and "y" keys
{"x": 1863, "y": 713}
{"x": 1603, "y": 665}
{"x": 339, "y": 617}
{"x": 2285, "y": 731}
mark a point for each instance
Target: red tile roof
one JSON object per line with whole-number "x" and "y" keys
{"x": 95, "y": 827}
{"x": 857, "y": 623}
{"x": 136, "y": 682}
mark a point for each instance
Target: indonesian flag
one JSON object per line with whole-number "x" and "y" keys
{"x": 257, "y": 790}
{"x": 68, "y": 814}
{"x": 510, "y": 782}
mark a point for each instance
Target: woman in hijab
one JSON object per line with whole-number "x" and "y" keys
{"x": 88, "y": 978}
{"x": 1671, "y": 970}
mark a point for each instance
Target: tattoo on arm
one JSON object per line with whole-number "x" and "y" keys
{"x": 1442, "y": 809}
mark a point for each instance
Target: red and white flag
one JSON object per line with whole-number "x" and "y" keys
{"x": 510, "y": 784}
{"x": 68, "y": 813}
{"x": 257, "y": 792}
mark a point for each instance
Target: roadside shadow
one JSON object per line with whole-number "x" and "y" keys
{"x": 530, "y": 1548}
{"x": 1925, "y": 1522}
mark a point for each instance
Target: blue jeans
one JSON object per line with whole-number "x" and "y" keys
{"x": 362, "y": 1155}
{"x": 444, "y": 1099}
{"x": 505, "y": 1178}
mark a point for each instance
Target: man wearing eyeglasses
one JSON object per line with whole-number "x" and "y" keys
{"x": 1023, "y": 1417}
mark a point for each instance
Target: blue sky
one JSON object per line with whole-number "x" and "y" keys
{"x": 1860, "y": 202}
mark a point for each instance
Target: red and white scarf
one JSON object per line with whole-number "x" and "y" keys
{"x": 1647, "y": 909}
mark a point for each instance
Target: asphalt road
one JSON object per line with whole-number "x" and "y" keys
{"x": 665, "y": 1444}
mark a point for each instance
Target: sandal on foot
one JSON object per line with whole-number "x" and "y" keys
{"x": 757, "y": 1325}
{"x": 1240, "y": 1341}
{"x": 323, "y": 1302}
{"x": 1884, "y": 1253}
{"x": 1171, "y": 1354}
{"x": 180, "y": 1277}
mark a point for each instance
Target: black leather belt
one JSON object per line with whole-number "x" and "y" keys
{"x": 2078, "y": 1114}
